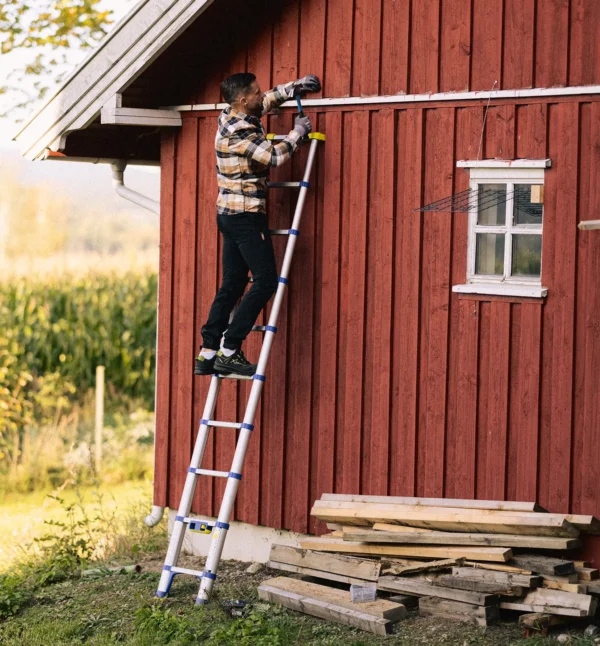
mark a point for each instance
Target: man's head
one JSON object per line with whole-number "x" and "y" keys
{"x": 242, "y": 92}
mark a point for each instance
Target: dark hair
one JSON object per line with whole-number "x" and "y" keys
{"x": 235, "y": 85}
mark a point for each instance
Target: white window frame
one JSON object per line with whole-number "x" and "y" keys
{"x": 521, "y": 171}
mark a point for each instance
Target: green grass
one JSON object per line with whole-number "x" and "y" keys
{"x": 120, "y": 609}
{"x": 24, "y": 517}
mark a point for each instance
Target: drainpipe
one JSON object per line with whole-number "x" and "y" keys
{"x": 118, "y": 171}
{"x": 155, "y": 516}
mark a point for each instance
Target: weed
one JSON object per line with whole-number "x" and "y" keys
{"x": 13, "y": 595}
{"x": 164, "y": 625}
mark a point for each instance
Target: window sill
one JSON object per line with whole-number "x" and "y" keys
{"x": 502, "y": 289}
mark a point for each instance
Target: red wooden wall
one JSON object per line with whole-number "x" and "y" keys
{"x": 372, "y": 47}
{"x": 383, "y": 381}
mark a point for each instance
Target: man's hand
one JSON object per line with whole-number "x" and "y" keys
{"x": 309, "y": 83}
{"x": 302, "y": 126}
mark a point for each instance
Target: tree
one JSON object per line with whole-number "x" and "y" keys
{"x": 46, "y": 31}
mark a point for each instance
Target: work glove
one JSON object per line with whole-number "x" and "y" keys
{"x": 302, "y": 126}
{"x": 309, "y": 83}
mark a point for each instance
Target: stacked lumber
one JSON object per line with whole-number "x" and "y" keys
{"x": 467, "y": 560}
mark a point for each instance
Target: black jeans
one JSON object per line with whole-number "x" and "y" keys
{"x": 247, "y": 246}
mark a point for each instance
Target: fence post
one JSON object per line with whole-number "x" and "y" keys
{"x": 99, "y": 418}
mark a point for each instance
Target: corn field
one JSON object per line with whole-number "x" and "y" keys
{"x": 53, "y": 334}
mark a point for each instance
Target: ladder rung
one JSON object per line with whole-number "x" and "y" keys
{"x": 264, "y": 328}
{"x": 232, "y": 376}
{"x": 183, "y": 570}
{"x": 284, "y": 232}
{"x": 286, "y": 184}
{"x": 208, "y": 472}
{"x": 210, "y": 422}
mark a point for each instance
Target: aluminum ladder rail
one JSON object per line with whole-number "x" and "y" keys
{"x": 219, "y": 529}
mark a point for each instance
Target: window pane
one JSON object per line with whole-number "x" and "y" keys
{"x": 527, "y": 255}
{"x": 489, "y": 256}
{"x": 491, "y": 204}
{"x": 526, "y": 212}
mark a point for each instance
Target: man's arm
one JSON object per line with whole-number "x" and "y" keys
{"x": 251, "y": 143}
{"x": 275, "y": 97}
{"x": 278, "y": 95}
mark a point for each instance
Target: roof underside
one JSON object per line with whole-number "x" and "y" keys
{"x": 122, "y": 65}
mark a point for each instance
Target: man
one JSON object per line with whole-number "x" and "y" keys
{"x": 244, "y": 159}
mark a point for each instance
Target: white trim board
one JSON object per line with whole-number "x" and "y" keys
{"x": 582, "y": 90}
{"x": 502, "y": 289}
{"x": 136, "y": 42}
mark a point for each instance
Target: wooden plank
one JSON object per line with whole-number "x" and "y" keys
{"x": 592, "y": 588}
{"x": 519, "y": 29}
{"x": 405, "y": 569}
{"x": 586, "y": 573}
{"x": 366, "y": 49}
{"x": 565, "y": 587}
{"x": 554, "y": 602}
{"x": 541, "y": 621}
{"x": 486, "y": 49}
{"x": 328, "y": 310}
{"x": 505, "y": 578}
{"x": 479, "y": 585}
{"x": 355, "y": 279}
{"x": 567, "y": 578}
{"x": 320, "y": 574}
{"x": 588, "y": 524}
{"x": 384, "y": 527}
{"x": 381, "y": 608}
{"x": 451, "y": 538}
{"x": 584, "y": 53}
{"x": 543, "y": 564}
{"x": 336, "y": 563}
{"x": 481, "y": 553}
{"x": 498, "y": 568}
{"x": 395, "y": 45}
{"x": 498, "y": 505}
{"x": 338, "y": 53}
{"x": 582, "y": 564}
{"x": 552, "y": 43}
{"x": 377, "y": 372}
{"x": 186, "y": 232}
{"x": 455, "y": 45}
{"x": 407, "y": 295}
{"x": 435, "y": 305}
{"x": 424, "y": 41}
{"x": 419, "y": 588}
{"x": 457, "y": 520}
{"x": 457, "y": 611}
{"x": 325, "y": 610}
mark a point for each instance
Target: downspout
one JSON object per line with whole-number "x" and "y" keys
{"x": 118, "y": 171}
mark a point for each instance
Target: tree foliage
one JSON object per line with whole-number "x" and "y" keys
{"x": 48, "y": 30}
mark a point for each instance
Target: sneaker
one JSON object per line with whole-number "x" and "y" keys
{"x": 236, "y": 364}
{"x": 204, "y": 366}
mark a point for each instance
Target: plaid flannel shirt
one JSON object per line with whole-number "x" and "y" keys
{"x": 245, "y": 156}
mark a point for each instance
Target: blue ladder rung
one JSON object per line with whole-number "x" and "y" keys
{"x": 183, "y": 570}
{"x": 209, "y": 472}
{"x": 216, "y": 424}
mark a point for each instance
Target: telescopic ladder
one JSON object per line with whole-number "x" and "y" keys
{"x": 218, "y": 530}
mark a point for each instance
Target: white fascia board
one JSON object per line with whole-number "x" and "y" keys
{"x": 504, "y": 163}
{"x": 116, "y": 64}
{"x": 579, "y": 90}
{"x": 589, "y": 225}
{"x": 502, "y": 289}
{"x": 140, "y": 117}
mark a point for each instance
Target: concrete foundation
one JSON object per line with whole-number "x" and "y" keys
{"x": 244, "y": 542}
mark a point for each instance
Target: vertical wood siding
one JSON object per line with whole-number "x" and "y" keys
{"x": 386, "y": 47}
{"x": 383, "y": 381}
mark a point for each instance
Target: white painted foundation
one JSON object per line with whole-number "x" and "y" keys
{"x": 244, "y": 542}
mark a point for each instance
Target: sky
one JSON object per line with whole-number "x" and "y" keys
{"x": 89, "y": 180}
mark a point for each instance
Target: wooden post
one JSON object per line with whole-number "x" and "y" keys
{"x": 99, "y": 418}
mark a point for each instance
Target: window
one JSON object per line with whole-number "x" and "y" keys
{"x": 506, "y": 219}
